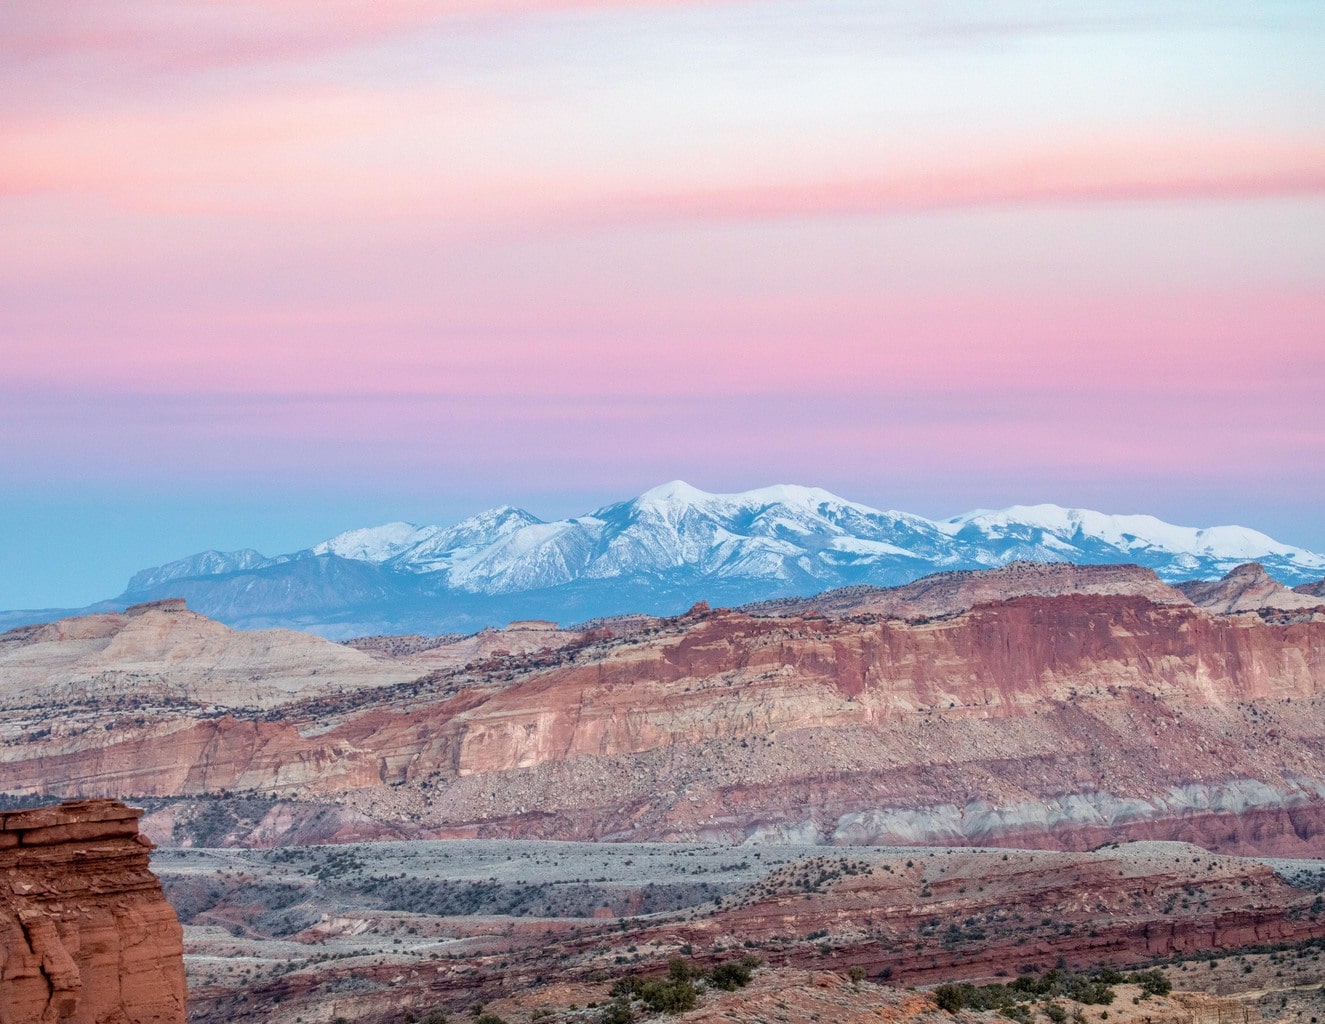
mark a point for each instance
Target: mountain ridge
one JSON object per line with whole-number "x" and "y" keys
{"x": 1045, "y": 705}
{"x": 662, "y": 551}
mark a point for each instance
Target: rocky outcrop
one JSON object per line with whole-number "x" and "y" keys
{"x": 1316, "y": 589}
{"x": 162, "y": 654}
{"x": 86, "y": 935}
{"x": 1248, "y": 588}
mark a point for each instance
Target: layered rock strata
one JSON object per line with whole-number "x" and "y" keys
{"x": 934, "y": 916}
{"x": 1062, "y": 720}
{"x": 86, "y": 935}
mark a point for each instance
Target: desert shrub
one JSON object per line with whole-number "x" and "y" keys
{"x": 1006, "y": 999}
{"x": 617, "y": 1012}
{"x": 1083, "y": 989}
{"x": 729, "y": 977}
{"x": 952, "y": 997}
{"x": 669, "y": 997}
{"x": 1153, "y": 983}
{"x": 659, "y": 995}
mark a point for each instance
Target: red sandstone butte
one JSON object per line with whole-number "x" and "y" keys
{"x": 86, "y": 934}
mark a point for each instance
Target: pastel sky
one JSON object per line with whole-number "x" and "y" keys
{"x": 273, "y": 270}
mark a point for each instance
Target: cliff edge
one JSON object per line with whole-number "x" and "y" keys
{"x": 86, "y": 934}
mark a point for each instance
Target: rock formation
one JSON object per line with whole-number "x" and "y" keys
{"x": 1065, "y": 720}
{"x": 1316, "y": 589}
{"x": 161, "y": 653}
{"x": 86, "y": 936}
{"x": 1249, "y": 588}
{"x": 912, "y": 916}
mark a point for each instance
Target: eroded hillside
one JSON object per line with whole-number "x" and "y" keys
{"x": 1064, "y": 720}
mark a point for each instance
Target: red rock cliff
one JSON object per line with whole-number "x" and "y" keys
{"x": 1071, "y": 720}
{"x": 86, "y": 935}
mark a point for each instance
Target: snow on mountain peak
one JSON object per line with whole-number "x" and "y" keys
{"x": 785, "y": 531}
{"x": 798, "y": 496}
{"x": 375, "y": 543}
{"x": 1128, "y": 533}
{"x": 680, "y": 493}
{"x": 674, "y": 492}
{"x": 204, "y": 563}
{"x": 770, "y": 541}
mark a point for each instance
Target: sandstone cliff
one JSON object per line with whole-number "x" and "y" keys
{"x": 162, "y": 655}
{"x": 86, "y": 936}
{"x": 1063, "y": 720}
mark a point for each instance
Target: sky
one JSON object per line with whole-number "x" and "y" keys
{"x": 275, "y": 270}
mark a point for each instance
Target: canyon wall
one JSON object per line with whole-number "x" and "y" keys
{"x": 86, "y": 935}
{"x": 1065, "y": 720}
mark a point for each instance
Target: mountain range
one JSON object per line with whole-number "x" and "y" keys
{"x": 659, "y": 553}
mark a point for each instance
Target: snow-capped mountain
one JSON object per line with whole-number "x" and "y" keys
{"x": 1051, "y": 533}
{"x": 376, "y": 544}
{"x": 791, "y": 535}
{"x": 781, "y": 535}
{"x": 666, "y": 549}
{"x": 204, "y": 563}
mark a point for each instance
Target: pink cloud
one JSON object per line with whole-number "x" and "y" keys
{"x": 1215, "y": 346}
{"x": 470, "y": 160}
{"x": 1038, "y": 431}
{"x": 206, "y": 35}
{"x": 1119, "y": 170}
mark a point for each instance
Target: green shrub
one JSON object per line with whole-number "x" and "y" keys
{"x": 616, "y": 1013}
{"x": 730, "y": 977}
{"x": 1006, "y": 999}
{"x": 953, "y": 997}
{"x": 660, "y": 996}
{"x": 1153, "y": 983}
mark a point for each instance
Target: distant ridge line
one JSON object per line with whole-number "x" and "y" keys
{"x": 664, "y": 550}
